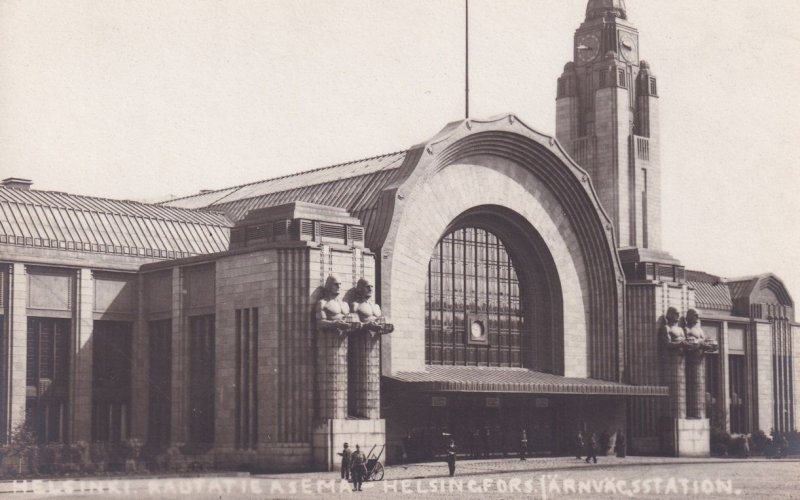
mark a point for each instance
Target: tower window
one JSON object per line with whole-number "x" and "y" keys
{"x": 653, "y": 87}
{"x": 622, "y": 78}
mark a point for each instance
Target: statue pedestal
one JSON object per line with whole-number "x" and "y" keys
{"x": 692, "y": 437}
{"x": 330, "y": 435}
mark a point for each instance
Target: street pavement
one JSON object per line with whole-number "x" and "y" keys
{"x": 537, "y": 478}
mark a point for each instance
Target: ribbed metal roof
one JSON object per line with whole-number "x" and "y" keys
{"x": 711, "y": 292}
{"x": 513, "y": 380}
{"x": 64, "y": 221}
{"x": 742, "y": 287}
{"x": 353, "y": 186}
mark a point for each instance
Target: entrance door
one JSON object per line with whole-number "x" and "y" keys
{"x": 491, "y": 425}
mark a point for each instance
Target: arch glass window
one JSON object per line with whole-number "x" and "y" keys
{"x": 472, "y": 278}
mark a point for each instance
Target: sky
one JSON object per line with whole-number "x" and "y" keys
{"x": 146, "y": 100}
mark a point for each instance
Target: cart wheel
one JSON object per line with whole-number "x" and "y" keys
{"x": 377, "y": 472}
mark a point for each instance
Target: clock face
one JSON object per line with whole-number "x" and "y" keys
{"x": 588, "y": 47}
{"x": 476, "y": 330}
{"x": 628, "y": 48}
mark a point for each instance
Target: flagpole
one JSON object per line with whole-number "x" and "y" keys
{"x": 466, "y": 58}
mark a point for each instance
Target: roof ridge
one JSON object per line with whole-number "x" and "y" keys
{"x": 103, "y": 198}
{"x": 285, "y": 176}
{"x": 719, "y": 279}
{"x": 751, "y": 277}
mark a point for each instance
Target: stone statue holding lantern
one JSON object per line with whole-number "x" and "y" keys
{"x": 333, "y": 313}
{"x": 674, "y": 334}
{"x": 695, "y": 336}
{"x": 369, "y": 313}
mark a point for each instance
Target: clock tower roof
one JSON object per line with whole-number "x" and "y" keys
{"x": 599, "y": 8}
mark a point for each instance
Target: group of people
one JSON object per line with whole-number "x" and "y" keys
{"x": 354, "y": 462}
{"x": 778, "y": 446}
{"x": 354, "y": 466}
{"x": 591, "y": 446}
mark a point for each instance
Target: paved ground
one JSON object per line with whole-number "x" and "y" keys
{"x": 541, "y": 478}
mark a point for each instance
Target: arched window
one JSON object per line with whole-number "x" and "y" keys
{"x": 474, "y": 312}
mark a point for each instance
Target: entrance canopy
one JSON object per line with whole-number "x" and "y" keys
{"x": 511, "y": 380}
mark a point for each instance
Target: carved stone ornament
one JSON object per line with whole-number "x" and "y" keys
{"x": 695, "y": 336}
{"x": 369, "y": 314}
{"x": 333, "y": 314}
{"x": 672, "y": 331}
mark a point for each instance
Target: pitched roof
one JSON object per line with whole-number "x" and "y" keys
{"x": 436, "y": 378}
{"x": 51, "y": 219}
{"x": 353, "y": 186}
{"x": 765, "y": 288}
{"x": 711, "y": 292}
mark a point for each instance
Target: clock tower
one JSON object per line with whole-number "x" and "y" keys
{"x": 607, "y": 119}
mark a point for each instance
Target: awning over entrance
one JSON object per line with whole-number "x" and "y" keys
{"x": 512, "y": 380}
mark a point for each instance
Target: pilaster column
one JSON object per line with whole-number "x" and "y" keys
{"x": 80, "y": 383}
{"x": 366, "y": 374}
{"x": 675, "y": 366}
{"x": 140, "y": 368}
{"x": 696, "y": 364}
{"x": 179, "y": 425}
{"x": 331, "y": 374}
{"x": 724, "y": 397}
{"x": 15, "y": 364}
{"x": 762, "y": 364}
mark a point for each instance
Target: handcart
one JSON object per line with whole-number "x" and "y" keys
{"x": 374, "y": 465}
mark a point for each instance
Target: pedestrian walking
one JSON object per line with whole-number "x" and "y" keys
{"x": 591, "y": 448}
{"x": 621, "y": 446}
{"x": 523, "y": 446}
{"x": 346, "y": 453}
{"x": 451, "y": 457}
{"x": 358, "y": 468}
{"x": 579, "y": 445}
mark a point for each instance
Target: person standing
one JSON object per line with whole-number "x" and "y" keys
{"x": 604, "y": 442}
{"x": 591, "y": 448}
{"x": 451, "y": 457}
{"x": 346, "y": 453}
{"x": 621, "y": 444}
{"x": 358, "y": 468}
{"x": 407, "y": 448}
{"x": 523, "y": 447}
{"x": 579, "y": 445}
{"x": 612, "y": 443}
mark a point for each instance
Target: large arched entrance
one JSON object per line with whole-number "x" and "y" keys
{"x": 493, "y": 299}
{"x": 492, "y": 296}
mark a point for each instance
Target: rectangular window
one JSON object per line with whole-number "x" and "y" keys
{"x": 160, "y": 382}
{"x": 736, "y": 339}
{"x": 246, "y": 425}
{"x": 738, "y": 394}
{"x": 653, "y": 87}
{"x": 111, "y": 380}
{"x": 201, "y": 379}
{"x": 47, "y": 376}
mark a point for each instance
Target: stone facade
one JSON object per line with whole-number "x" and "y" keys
{"x": 551, "y": 303}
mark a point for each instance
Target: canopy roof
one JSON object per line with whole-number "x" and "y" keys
{"x": 512, "y": 380}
